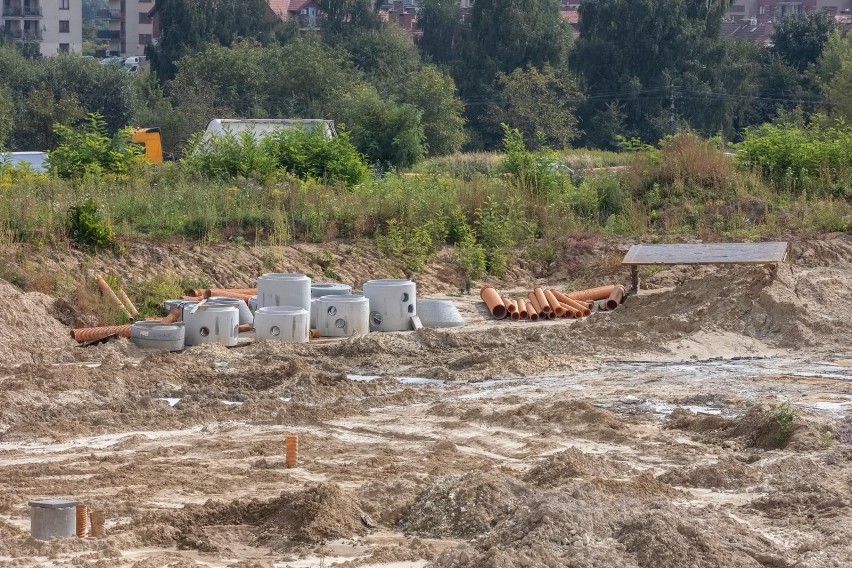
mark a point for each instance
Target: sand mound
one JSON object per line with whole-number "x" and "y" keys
{"x": 788, "y": 307}
{"x": 465, "y": 506}
{"x": 316, "y": 514}
{"x": 757, "y": 428}
{"x": 572, "y": 463}
{"x": 724, "y": 474}
{"x": 29, "y": 332}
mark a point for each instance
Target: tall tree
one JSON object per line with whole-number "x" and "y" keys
{"x": 349, "y": 15}
{"x": 186, "y": 25}
{"x": 799, "y": 39}
{"x": 658, "y": 59}
{"x": 442, "y": 30}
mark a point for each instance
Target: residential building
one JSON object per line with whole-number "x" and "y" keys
{"x": 56, "y": 25}
{"x": 402, "y": 13}
{"x": 754, "y": 20}
{"x": 130, "y": 27}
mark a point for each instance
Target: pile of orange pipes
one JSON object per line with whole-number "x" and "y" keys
{"x": 552, "y": 304}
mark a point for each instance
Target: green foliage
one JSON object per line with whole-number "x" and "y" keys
{"x": 542, "y": 104}
{"x": 310, "y": 155}
{"x": 412, "y": 247}
{"x": 228, "y": 155}
{"x": 7, "y": 121}
{"x": 785, "y": 415}
{"x": 814, "y": 158}
{"x": 389, "y": 134}
{"x": 537, "y": 172}
{"x": 434, "y": 94}
{"x": 87, "y": 226}
{"x": 799, "y": 39}
{"x": 90, "y": 150}
{"x": 501, "y": 226}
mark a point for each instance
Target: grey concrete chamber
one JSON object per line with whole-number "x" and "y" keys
{"x": 284, "y": 289}
{"x": 342, "y": 315}
{"x": 252, "y": 304}
{"x": 186, "y": 306}
{"x": 53, "y": 518}
{"x": 392, "y": 303}
{"x": 246, "y": 315}
{"x": 439, "y": 313}
{"x": 156, "y": 335}
{"x": 320, "y": 289}
{"x": 211, "y": 323}
{"x": 289, "y": 324}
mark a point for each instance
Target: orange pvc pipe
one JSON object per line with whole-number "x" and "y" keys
{"x": 516, "y": 315}
{"x": 572, "y": 312}
{"x": 96, "y": 522}
{"x": 315, "y": 334}
{"x": 244, "y": 327}
{"x": 511, "y": 307}
{"x": 122, "y": 295}
{"x": 534, "y": 303}
{"x": 551, "y": 315}
{"x": 522, "y": 308}
{"x": 495, "y": 304}
{"x": 583, "y": 308}
{"x": 599, "y": 293}
{"x": 108, "y": 292}
{"x": 221, "y": 291}
{"x": 554, "y": 303}
{"x": 172, "y": 316}
{"x": 531, "y": 311}
{"x": 86, "y": 334}
{"x": 542, "y": 300}
{"x": 615, "y": 298}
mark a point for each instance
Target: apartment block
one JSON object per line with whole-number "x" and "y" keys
{"x": 763, "y": 11}
{"x": 131, "y": 27}
{"x": 56, "y": 25}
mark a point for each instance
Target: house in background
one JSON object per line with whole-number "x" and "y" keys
{"x": 130, "y": 27}
{"x": 55, "y": 25}
{"x": 754, "y": 20}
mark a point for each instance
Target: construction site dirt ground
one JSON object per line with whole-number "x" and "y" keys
{"x": 705, "y": 423}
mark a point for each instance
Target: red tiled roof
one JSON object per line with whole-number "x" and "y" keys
{"x": 296, "y": 5}
{"x": 570, "y": 16}
{"x": 280, "y": 7}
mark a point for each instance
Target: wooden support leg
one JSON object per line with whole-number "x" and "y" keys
{"x": 634, "y": 277}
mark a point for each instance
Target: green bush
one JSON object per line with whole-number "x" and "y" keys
{"x": 412, "y": 247}
{"x": 90, "y": 150}
{"x": 539, "y": 173}
{"x": 229, "y": 155}
{"x": 816, "y": 158}
{"x": 87, "y": 226}
{"x": 310, "y": 155}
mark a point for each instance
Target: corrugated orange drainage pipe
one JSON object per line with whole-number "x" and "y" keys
{"x": 495, "y": 304}
{"x": 87, "y": 334}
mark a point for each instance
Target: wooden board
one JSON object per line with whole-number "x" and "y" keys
{"x": 713, "y": 253}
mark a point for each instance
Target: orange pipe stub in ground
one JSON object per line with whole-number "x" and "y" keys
{"x": 542, "y": 300}
{"x": 244, "y": 328}
{"x": 615, "y": 298}
{"x": 291, "y": 450}
{"x": 82, "y": 517}
{"x": 495, "y": 304}
{"x": 315, "y": 334}
{"x": 599, "y": 293}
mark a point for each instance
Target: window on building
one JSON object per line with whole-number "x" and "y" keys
{"x": 144, "y": 18}
{"x": 64, "y": 4}
{"x": 64, "y": 26}
{"x": 145, "y": 39}
{"x": 64, "y": 47}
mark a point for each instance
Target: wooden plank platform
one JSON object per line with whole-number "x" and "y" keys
{"x": 711, "y": 253}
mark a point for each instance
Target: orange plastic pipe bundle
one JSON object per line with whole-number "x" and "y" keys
{"x": 600, "y": 293}
{"x": 495, "y": 304}
{"x": 87, "y": 334}
{"x": 574, "y": 304}
{"x": 542, "y": 301}
{"x": 554, "y": 303}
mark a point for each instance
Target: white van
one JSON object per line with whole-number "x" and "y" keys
{"x": 136, "y": 60}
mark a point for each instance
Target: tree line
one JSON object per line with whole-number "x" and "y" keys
{"x": 639, "y": 71}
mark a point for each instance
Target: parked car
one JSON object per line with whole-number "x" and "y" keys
{"x": 136, "y": 60}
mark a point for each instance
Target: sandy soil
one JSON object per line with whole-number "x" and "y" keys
{"x": 645, "y": 437}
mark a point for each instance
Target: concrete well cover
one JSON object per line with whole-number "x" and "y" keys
{"x": 439, "y": 313}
